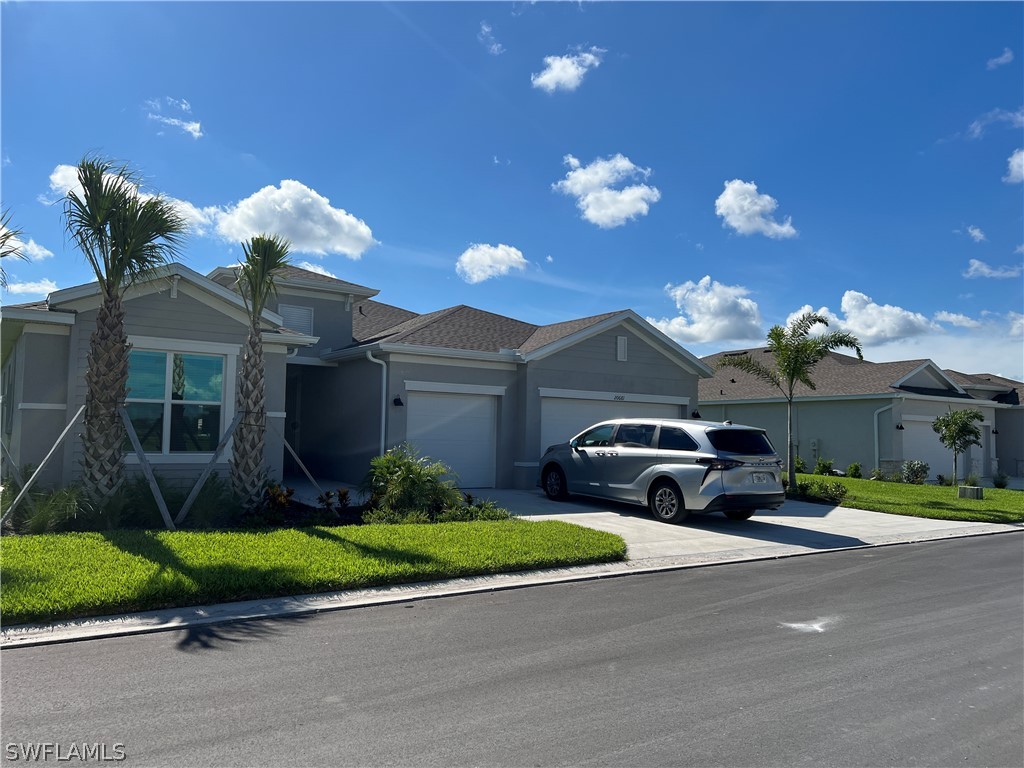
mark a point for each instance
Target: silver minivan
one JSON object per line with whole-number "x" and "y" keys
{"x": 672, "y": 466}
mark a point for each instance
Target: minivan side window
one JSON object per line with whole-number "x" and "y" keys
{"x": 635, "y": 435}
{"x": 601, "y": 435}
{"x": 676, "y": 439}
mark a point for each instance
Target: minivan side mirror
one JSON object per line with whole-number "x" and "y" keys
{"x": 575, "y": 445}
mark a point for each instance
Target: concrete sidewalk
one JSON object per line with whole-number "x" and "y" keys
{"x": 797, "y": 529}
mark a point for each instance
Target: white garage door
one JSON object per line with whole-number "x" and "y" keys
{"x": 921, "y": 443}
{"x": 458, "y": 430}
{"x": 561, "y": 418}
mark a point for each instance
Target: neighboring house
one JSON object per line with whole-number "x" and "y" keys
{"x": 483, "y": 392}
{"x": 876, "y": 414}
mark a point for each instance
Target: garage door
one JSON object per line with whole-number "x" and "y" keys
{"x": 921, "y": 443}
{"x": 561, "y": 418}
{"x": 457, "y": 429}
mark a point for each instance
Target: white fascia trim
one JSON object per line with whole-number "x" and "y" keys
{"x": 42, "y": 406}
{"x": 895, "y": 397}
{"x": 47, "y": 330}
{"x": 673, "y": 350}
{"x": 454, "y": 389}
{"x": 37, "y": 316}
{"x": 314, "y": 290}
{"x": 289, "y": 340}
{"x": 936, "y": 370}
{"x": 183, "y": 345}
{"x": 454, "y": 362}
{"x": 150, "y": 283}
{"x": 423, "y": 351}
{"x": 621, "y": 397}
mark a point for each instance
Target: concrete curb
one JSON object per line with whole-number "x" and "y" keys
{"x": 29, "y": 635}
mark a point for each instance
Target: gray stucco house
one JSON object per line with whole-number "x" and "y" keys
{"x": 347, "y": 377}
{"x": 877, "y": 414}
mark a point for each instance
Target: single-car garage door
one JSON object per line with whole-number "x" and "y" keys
{"x": 457, "y": 429}
{"x": 561, "y": 418}
{"x": 921, "y": 443}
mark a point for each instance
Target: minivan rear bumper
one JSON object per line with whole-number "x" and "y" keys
{"x": 745, "y": 501}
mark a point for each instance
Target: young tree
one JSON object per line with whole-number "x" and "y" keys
{"x": 122, "y": 235}
{"x": 794, "y": 354}
{"x": 958, "y": 432}
{"x": 264, "y": 255}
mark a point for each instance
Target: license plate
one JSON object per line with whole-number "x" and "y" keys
{"x": 761, "y": 478}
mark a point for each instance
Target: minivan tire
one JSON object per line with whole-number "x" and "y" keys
{"x": 666, "y": 502}
{"x": 554, "y": 483}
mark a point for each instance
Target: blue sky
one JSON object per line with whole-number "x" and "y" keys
{"x": 714, "y": 167}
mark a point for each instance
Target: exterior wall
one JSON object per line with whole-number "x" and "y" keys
{"x": 1010, "y": 440}
{"x": 182, "y": 319}
{"x": 592, "y": 365}
{"x": 978, "y": 459}
{"x": 332, "y": 322}
{"x": 38, "y": 410}
{"x": 840, "y": 430}
{"x": 400, "y": 370}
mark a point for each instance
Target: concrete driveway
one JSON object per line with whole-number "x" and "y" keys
{"x": 797, "y": 528}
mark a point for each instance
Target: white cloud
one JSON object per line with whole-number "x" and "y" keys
{"x": 749, "y": 213}
{"x": 299, "y": 214}
{"x": 31, "y": 249}
{"x": 308, "y": 265}
{"x": 976, "y": 268}
{"x": 871, "y": 323}
{"x": 710, "y": 311}
{"x": 977, "y": 129}
{"x": 486, "y": 38}
{"x": 1016, "y": 329}
{"x": 40, "y": 288}
{"x": 191, "y": 127}
{"x": 1019, "y": 249}
{"x": 566, "y": 73}
{"x": 1004, "y": 58}
{"x": 600, "y": 203}
{"x": 1015, "y": 168}
{"x": 976, "y": 234}
{"x": 960, "y": 321}
{"x": 481, "y": 262}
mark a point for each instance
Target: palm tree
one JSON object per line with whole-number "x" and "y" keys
{"x": 10, "y": 245}
{"x": 122, "y": 235}
{"x": 264, "y": 255}
{"x": 795, "y": 353}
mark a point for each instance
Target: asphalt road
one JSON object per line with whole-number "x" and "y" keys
{"x": 910, "y": 655}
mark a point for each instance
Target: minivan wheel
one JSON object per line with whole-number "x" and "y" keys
{"x": 666, "y": 503}
{"x": 739, "y": 514}
{"x": 554, "y": 483}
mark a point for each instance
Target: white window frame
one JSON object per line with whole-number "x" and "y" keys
{"x": 230, "y": 353}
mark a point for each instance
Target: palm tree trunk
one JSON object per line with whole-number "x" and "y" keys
{"x": 106, "y": 381}
{"x": 248, "y": 468}
{"x": 789, "y": 446}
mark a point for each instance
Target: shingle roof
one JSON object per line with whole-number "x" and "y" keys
{"x": 459, "y": 327}
{"x": 41, "y": 304}
{"x": 298, "y": 273}
{"x": 835, "y": 375}
{"x": 982, "y": 380}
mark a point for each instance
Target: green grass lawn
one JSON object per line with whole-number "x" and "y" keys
{"x": 939, "y": 502}
{"x": 59, "y": 576}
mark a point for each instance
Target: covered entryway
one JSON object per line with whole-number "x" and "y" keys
{"x": 565, "y": 413}
{"x": 459, "y": 429}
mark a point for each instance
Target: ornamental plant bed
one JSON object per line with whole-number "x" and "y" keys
{"x": 67, "y": 575}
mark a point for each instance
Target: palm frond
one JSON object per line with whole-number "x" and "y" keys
{"x": 10, "y": 244}
{"x": 747, "y": 364}
{"x": 802, "y": 325}
{"x": 264, "y": 256}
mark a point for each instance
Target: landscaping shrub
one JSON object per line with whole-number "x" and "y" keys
{"x": 1000, "y": 480}
{"x": 853, "y": 470}
{"x": 914, "y": 472}
{"x": 42, "y": 511}
{"x": 821, "y": 490}
{"x": 823, "y": 466}
{"x": 877, "y": 474}
{"x": 404, "y": 487}
{"x": 943, "y": 480}
{"x": 799, "y": 465}
{"x": 972, "y": 479}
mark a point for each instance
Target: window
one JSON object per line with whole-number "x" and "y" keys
{"x": 635, "y": 435}
{"x": 298, "y": 319}
{"x": 745, "y": 441}
{"x": 601, "y": 435}
{"x": 621, "y": 348}
{"x": 676, "y": 439}
{"x": 175, "y": 401}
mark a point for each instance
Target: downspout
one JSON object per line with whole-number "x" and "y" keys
{"x": 383, "y": 395}
{"x": 877, "y": 413}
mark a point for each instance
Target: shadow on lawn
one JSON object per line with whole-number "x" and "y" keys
{"x": 387, "y": 554}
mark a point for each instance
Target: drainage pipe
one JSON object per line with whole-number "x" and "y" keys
{"x": 877, "y": 447}
{"x": 383, "y": 396}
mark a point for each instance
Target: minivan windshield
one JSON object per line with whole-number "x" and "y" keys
{"x": 746, "y": 441}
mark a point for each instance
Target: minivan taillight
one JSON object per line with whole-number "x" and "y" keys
{"x": 720, "y": 464}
